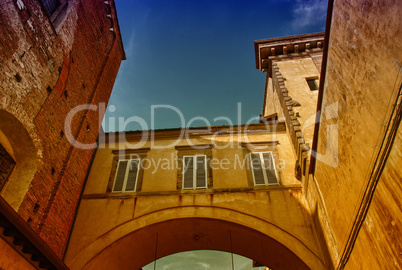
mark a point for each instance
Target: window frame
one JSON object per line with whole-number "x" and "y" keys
{"x": 59, "y": 15}
{"x": 124, "y": 185}
{"x": 194, "y": 187}
{"x": 315, "y": 81}
{"x": 264, "y": 173}
{"x": 45, "y": 6}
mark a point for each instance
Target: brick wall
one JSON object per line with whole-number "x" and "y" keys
{"x": 57, "y": 71}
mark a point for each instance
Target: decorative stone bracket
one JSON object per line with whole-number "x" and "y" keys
{"x": 301, "y": 148}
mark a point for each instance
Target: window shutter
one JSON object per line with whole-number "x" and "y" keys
{"x": 270, "y": 168}
{"x": 201, "y": 172}
{"x": 132, "y": 175}
{"x": 121, "y": 173}
{"x": 257, "y": 169}
{"x": 50, "y": 6}
{"x": 188, "y": 170}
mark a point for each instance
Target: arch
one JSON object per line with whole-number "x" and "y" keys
{"x": 270, "y": 240}
{"x": 20, "y": 146}
{"x": 137, "y": 249}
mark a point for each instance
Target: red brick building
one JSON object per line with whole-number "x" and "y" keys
{"x": 55, "y": 55}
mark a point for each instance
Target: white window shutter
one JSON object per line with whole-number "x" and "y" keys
{"x": 132, "y": 175}
{"x": 201, "y": 176}
{"x": 120, "y": 175}
{"x": 257, "y": 169}
{"x": 188, "y": 171}
{"x": 270, "y": 168}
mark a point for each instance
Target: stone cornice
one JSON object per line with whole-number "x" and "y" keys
{"x": 292, "y": 46}
{"x": 266, "y": 128}
{"x": 293, "y": 125}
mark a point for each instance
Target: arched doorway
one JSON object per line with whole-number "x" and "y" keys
{"x": 18, "y": 144}
{"x": 204, "y": 260}
{"x": 140, "y": 247}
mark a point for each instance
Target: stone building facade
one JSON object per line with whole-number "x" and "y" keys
{"x": 151, "y": 194}
{"x": 55, "y": 56}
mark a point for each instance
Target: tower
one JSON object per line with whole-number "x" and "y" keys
{"x": 292, "y": 65}
{"x": 59, "y": 60}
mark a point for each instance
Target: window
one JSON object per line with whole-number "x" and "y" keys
{"x": 127, "y": 170}
{"x": 194, "y": 169}
{"x": 194, "y": 172}
{"x": 126, "y": 175}
{"x": 263, "y": 166}
{"x": 6, "y": 166}
{"x": 57, "y": 11}
{"x": 312, "y": 83}
{"x": 50, "y": 6}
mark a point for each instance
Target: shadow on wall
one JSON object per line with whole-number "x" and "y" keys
{"x": 19, "y": 145}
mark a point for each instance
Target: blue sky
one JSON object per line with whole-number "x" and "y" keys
{"x": 198, "y": 57}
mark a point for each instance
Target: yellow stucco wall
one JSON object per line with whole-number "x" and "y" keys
{"x": 295, "y": 73}
{"x": 231, "y": 175}
{"x": 161, "y": 172}
{"x": 363, "y": 77}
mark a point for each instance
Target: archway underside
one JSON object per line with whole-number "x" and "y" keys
{"x": 137, "y": 249}
{"x": 18, "y": 143}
